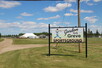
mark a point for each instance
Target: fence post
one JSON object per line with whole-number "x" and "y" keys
{"x": 49, "y": 39}
{"x": 86, "y": 39}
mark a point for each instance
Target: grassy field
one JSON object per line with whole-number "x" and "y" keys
{"x": 30, "y": 41}
{"x": 1, "y": 39}
{"x": 45, "y": 41}
{"x": 63, "y": 56}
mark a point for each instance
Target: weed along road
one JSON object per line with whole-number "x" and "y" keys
{"x": 7, "y": 45}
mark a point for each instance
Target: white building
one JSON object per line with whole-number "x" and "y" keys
{"x": 100, "y": 36}
{"x": 43, "y": 36}
{"x": 29, "y": 35}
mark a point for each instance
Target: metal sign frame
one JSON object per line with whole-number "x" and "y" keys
{"x": 49, "y": 42}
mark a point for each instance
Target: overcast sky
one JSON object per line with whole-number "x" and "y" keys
{"x": 34, "y": 16}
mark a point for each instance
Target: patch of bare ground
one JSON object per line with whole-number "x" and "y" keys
{"x": 7, "y": 45}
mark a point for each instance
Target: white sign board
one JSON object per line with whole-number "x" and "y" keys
{"x": 67, "y": 34}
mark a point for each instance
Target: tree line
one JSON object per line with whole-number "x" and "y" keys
{"x": 20, "y": 34}
{"x": 89, "y": 34}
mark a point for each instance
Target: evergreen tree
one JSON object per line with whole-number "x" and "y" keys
{"x": 97, "y": 33}
{"x": 0, "y": 35}
{"x": 90, "y": 33}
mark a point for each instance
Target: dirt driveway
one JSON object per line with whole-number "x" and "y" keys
{"x": 7, "y": 45}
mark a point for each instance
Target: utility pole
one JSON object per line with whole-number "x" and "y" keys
{"x": 79, "y": 24}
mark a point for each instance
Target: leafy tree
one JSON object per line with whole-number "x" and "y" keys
{"x": 21, "y": 34}
{"x": 0, "y": 35}
{"x": 90, "y": 33}
{"x": 44, "y": 33}
{"x": 97, "y": 33}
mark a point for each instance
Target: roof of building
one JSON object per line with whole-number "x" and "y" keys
{"x": 29, "y": 34}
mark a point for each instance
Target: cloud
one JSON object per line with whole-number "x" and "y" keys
{"x": 91, "y": 19}
{"x": 97, "y": 0}
{"x": 93, "y": 26}
{"x": 70, "y": 0}
{"x": 58, "y": 7}
{"x": 87, "y": 11}
{"x": 96, "y": 27}
{"x": 84, "y": 0}
{"x": 57, "y": 24}
{"x": 82, "y": 11}
{"x": 90, "y": 4}
{"x": 66, "y": 23}
{"x": 72, "y": 10}
{"x": 54, "y": 17}
{"x": 25, "y": 26}
{"x": 70, "y": 14}
{"x": 9, "y": 4}
{"x": 76, "y": 0}
{"x": 22, "y": 27}
{"x": 2, "y": 21}
{"x": 22, "y": 24}
{"x": 19, "y": 17}
{"x": 7, "y": 25}
{"x": 26, "y": 14}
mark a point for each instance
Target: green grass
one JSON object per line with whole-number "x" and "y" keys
{"x": 45, "y": 41}
{"x": 64, "y": 56}
{"x": 95, "y": 40}
{"x": 1, "y": 39}
{"x": 30, "y": 41}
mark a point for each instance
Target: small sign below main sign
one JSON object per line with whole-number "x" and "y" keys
{"x": 67, "y": 35}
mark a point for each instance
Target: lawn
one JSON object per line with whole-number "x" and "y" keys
{"x": 45, "y": 41}
{"x": 30, "y": 41}
{"x": 1, "y": 39}
{"x": 63, "y": 56}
